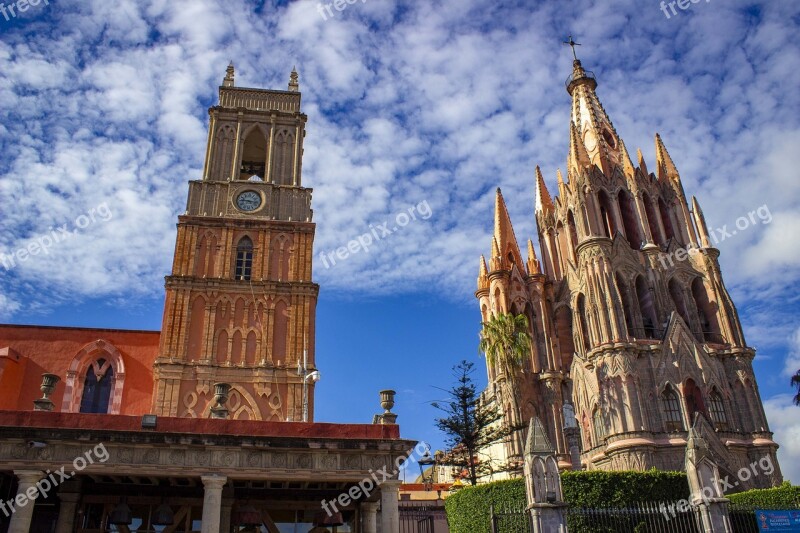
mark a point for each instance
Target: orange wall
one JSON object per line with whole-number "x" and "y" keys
{"x": 52, "y": 349}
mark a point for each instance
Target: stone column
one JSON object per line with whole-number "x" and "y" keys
{"x": 69, "y": 496}
{"x": 24, "y": 500}
{"x": 390, "y": 513}
{"x": 369, "y": 517}
{"x": 212, "y": 502}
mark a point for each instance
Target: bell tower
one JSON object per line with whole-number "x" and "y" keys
{"x": 240, "y": 303}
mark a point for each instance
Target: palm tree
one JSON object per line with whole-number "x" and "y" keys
{"x": 796, "y": 383}
{"x": 506, "y": 343}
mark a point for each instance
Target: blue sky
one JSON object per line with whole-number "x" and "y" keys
{"x": 105, "y": 111}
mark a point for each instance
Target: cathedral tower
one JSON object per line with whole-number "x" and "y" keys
{"x": 240, "y": 303}
{"x": 635, "y": 337}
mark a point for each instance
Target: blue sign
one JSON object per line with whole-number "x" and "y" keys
{"x": 769, "y": 520}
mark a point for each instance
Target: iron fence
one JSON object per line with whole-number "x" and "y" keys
{"x": 422, "y": 519}
{"x": 643, "y": 518}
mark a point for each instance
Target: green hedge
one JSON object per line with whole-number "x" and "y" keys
{"x": 468, "y": 509}
{"x": 621, "y": 489}
{"x": 786, "y": 496}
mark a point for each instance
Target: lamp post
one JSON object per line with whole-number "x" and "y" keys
{"x": 427, "y": 462}
{"x": 312, "y": 377}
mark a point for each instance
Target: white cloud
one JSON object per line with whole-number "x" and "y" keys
{"x": 784, "y": 421}
{"x": 407, "y": 101}
{"x": 793, "y": 356}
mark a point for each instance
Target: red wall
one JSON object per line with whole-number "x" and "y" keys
{"x": 52, "y": 349}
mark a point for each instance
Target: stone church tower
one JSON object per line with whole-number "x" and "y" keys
{"x": 634, "y": 333}
{"x": 240, "y": 303}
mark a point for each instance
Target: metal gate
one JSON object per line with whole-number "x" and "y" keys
{"x": 420, "y": 518}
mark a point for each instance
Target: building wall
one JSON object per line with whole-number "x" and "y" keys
{"x": 26, "y": 352}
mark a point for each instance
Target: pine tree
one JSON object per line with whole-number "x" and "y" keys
{"x": 471, "y": 425}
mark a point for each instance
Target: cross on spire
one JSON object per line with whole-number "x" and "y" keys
{"x": 573, "y": 44}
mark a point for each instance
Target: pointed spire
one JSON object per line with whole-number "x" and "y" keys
{"x": 294, "y": 85}
{"x": 666, "y": 168}
{"x": 483, "y": 271}
{"x": 503, "y": 230}
{"x": 578, "y": 156}
{"x": 495, "y": 261}
{"x": 543, "y": 200}
{"x": 227, "y": 81}
{"x": 533, "y": 263}
{"x": 562, "y": 188}
{"x": 483, "y": 274}
{"x": 537, "y": 442}
{"x": 700, "y": 222}
{"x": 641, "y": 163}
{"x": 627, "y": 165}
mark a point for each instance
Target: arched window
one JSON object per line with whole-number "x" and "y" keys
{"x": 584, "y": 323}
{"x": 652, "y": 221}
{"x": 95, "y": 380}
{"x": 599, "y": 426}
{"x": 629, "y": 219}
{"x": 676, "y": 293}
{"x": 673, "y": 418}
{"x": 666, "y": 220}
{"x": 717, "y": 411}
{"x": 694, "y": 399}
{"x": 573, "y": 235}
{"x": 709, "y": 325}
{"x": 97, "y": 387}
{"x": 646, "y": 308}
{"x": 244, "y": 259}
{"x": 627, "y": 304}
{"x": 606, "y": 215}
{"x": 254, "y": 155}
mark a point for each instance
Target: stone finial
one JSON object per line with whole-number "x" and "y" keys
{"x": 294, "y": 84}
{"x": 221, "y": 392}
{"x": 229, "y": 74}
{"x": 49, "y": 382}
{"x": 387, "y": 402}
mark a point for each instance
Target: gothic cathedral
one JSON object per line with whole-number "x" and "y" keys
{"x": 240, "y": 303}
{"x": 634, "y": 335}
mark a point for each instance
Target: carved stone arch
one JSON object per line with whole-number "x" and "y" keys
{"x": 223, "y": 152}
{"x": 252, "y": 152}
{"x": 87, "y": 357}
{"x": 280, "y": 251}
{"x": 197, "y": 328}
{"x": 205, "y": 259}
{"x": 247, "y": 405}
{"x": 253, "y": 126}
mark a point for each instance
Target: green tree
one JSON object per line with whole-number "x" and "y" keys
{"x": 506, "y": 343}
{"x": 796, "y": 383}
{"x": 470, "y": 424}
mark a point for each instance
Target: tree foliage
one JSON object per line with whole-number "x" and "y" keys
{"x": 506, "y": 343}
{"x": 470, "y": 424}
{"x": 796, "y": 383}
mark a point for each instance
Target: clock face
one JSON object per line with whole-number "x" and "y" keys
{"x": 248, "y": 201}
